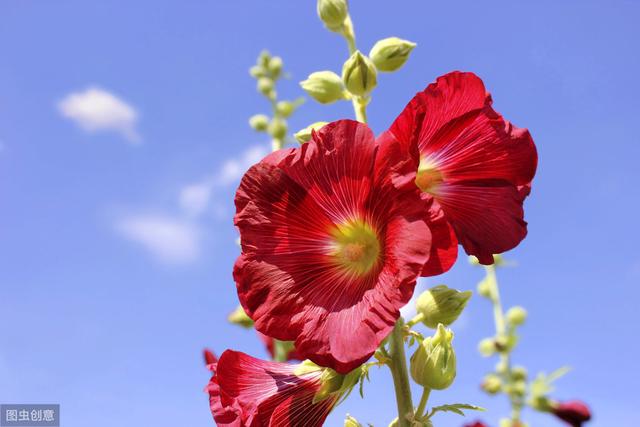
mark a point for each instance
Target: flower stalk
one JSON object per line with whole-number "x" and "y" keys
{"x": 398, "y": 367}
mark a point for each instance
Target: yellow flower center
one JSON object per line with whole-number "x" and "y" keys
{"x": 355, "y": 246}
{"x": 428, "y": 177}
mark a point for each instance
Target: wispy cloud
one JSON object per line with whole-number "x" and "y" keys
{"x": 171, "y": 240}
{"x": 197, "y": 198}
{"x": 177, "y": 238}
{"x": 96, "y": 109}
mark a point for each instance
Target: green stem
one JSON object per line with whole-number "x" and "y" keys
{"x": 398, "y": 367}
{"x": 360, "y": 107}
{"x": 423, "y": 402}
{"x": 501, "y": 329}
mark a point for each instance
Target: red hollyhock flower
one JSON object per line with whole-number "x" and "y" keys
{"x": 250, "y": 392}
{"x": 474, "y": 163}
{"x": 573, "y": 412}
{"x": 476, "y": 424}
{"x": 334, "y": 235}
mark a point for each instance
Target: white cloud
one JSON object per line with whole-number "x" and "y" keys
{"x": 409, "y": 310}
{"x": 98, "y": 110}
{"x": 177, "y": 238}
{"x": 197, "y": 198}
{"x": 171, "y": 240}
{"x": 233, "y": 169}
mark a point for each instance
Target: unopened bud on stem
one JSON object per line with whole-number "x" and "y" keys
{"x": 391, "y": 53}
{"x": 333, "y": 13}
{"x": 433, "y": 364}
{"x": 441, "y": 304}
{"x": 324, "y": 86}
{"x": 359, "y": 74}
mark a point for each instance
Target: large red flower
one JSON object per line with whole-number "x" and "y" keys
{"x": 476, "y": 165}
{"x": 334, "y": 235}
{"x": 250, "y": 392}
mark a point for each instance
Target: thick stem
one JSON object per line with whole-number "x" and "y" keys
{"x": 423, "y": 402}
{"x": 398, "y": 366}
{"x": 360, "y": 107}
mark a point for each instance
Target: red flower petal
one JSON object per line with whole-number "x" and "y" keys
{"x": 250, "y": 392}
{"x": 269, "y": 343}
{"x": 290, "y": 210}
{"x": 573, "y": 412}
{"x": 467, "y": 147}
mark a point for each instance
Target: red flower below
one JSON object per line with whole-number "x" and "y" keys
{"x": 270, "y": 344}
{"x": 476, "y": 424}
{"x": 573, "y": 412}
{"x": 250, "y": 392}
{"x": 334, "y": 235}
{"x": 477, "y": 165}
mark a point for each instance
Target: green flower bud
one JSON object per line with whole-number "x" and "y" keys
{"x": 265, "y": 85}
{"x": 516, "y": 316}
{"x": 275, "y": 66}
{"x": 390, "y": 54}
{"x": 240, "y": 318}
{"x": 333, "y": 13}
{"x": 257, "y": 71}
{"x": 485, "y": 287}
{"x": 519, "y": 373}
{"x": 502, "y": 367}
{"x": 492, "y": 384}
{"x": 519, "y": 388}
{"x": 333, "y": 383}
{"x": 304, "y": 135}
{"x": 278, "y": 128}
{"x": 359, "y": 74}
{"x": 259, "y": 122}
{"x": 487, "y": 347}
{"x": 351, "y": 422}
{"x": 433, "y": 364}
{"x": 441, "y": 304}
{"x": 263, "y": 59}
{"x": 285, "y": 108}
{"x": 324, "y": 86}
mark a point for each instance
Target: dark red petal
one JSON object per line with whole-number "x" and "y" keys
{"x": 451, "y": 96}
{"x": 444, "y": 245}
{"x": 473, "y": 148}
{"x": 209, "y": 357}
{"x": 573, "y": 412}
{"x": 487, "y": 217}
{"x": 228, "y": 414}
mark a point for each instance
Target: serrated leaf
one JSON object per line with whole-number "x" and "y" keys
{"x": 455, "y": 408}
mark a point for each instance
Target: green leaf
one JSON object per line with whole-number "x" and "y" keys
{"x": 456, "y": 408}
{"x": 558, "y": 373}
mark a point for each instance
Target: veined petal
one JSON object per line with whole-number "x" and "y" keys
{"x": 318, "y": 225}
{"x": 466, "y": 146}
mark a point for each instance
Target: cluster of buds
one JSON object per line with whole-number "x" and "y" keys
{"x": 359, "y": 72}
{"x": 267, "y": 71}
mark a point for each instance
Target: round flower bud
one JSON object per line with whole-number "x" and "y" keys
{"x": 285, "y": 108}
{"x": 259, "y": 122}
{"x": 441, "y": 304}
{"x": 324, "y": 86}
{"x": 519, "y": 373}
{"x": 333, "y": 13}
{"x": 278, "y": 128}
{"x": 304, "y": 135}
{"x": 492, "y": 384}
{"x": 359, "y": 74}
{"x": 257, "y": 71}
{"x": 433, "y": 364}
{"x": 390, "y": 54}
{"x": 275, "y": 66}
{"x": 265, "y": 85}
{"x": 487, "y": 347}
{"x": 516, "y": 316}
{"x": 240, "y": 318}
{"x": 351, "y": 422}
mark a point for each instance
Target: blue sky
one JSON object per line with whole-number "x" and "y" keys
{"x": 100, "y": 314}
